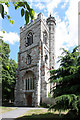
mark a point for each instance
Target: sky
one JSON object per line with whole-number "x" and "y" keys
{"x": 65, "y": 13}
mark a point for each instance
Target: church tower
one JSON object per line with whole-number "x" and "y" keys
{"x": 35, "y": 58}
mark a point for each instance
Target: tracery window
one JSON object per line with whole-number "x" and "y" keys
{"x": 29, "y": 84}
{"x": 29, "y": 39}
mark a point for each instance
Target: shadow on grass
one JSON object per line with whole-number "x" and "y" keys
{"x": 46, "y": 116}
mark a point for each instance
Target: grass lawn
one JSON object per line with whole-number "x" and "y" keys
{"x": 42, "y": 114}
{"x": 6, "y": 109}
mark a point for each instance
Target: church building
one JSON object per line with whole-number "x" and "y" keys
{"x": 35, "y": 58}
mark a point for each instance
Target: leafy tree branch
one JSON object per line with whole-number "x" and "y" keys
{"x": 26, "y": 10}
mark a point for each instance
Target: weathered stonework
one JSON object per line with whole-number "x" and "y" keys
{"x": 42, "y": 60}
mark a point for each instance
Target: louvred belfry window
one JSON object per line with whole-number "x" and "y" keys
{"x": 29, "y": 39}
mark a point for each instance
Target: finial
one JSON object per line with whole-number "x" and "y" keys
{"x": 50, "y": 14}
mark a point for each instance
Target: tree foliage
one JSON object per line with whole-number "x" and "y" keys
{"x": 67, "y": 79}
{"x": 8, "y": 72}
{"x": 26, "y": 10}
{"x": 7, "y": 66}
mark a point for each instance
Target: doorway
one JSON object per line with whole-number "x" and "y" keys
{"x": 29, "y": 100}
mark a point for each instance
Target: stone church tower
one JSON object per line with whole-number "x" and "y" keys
{"x": 35, "y": 58}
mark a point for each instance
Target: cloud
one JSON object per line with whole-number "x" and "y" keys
{"x": 36, "y": 1}
{"x": 10, "y": 37}
{"x": 40, "y": 6}
{"x": 51, "y": 5}
{"x": 72, "y": 17}
{"x": 67, "y": 30}
{"x": 6, "y": 8}
{"x": 48, "y": 4}
{"x": 61, "y": 38}
{"x": 65, "y": 3}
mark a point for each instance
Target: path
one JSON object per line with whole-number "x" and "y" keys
{"x": 16, "y": 113}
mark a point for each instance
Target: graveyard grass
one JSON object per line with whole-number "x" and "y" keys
{"x": 6, "y": 109}
{"x": 42, "y": 114}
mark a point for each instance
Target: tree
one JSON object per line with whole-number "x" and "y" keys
{"x": 25, "y": 10}
{"x": 8, "y": 73}
{"x": 12, "y": 72}
{"x": 6, "y": 65}
{"x": 67, "y": 79}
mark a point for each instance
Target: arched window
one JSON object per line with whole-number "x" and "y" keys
{"x": 28, "y": 59}
{"x": 45, "y": 37}
{"x": 29, "y": 81}
{"x": 30, "y": 84}
{"x": 29, "y": 39}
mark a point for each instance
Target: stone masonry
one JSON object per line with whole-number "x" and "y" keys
{"x": 35, "y": 58}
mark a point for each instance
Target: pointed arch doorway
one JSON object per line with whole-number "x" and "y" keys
{"x": 29, "y": 88}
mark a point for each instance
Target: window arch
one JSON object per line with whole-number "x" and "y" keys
{"x": 28, "y": 59}
{"x": 29, "y": 39}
